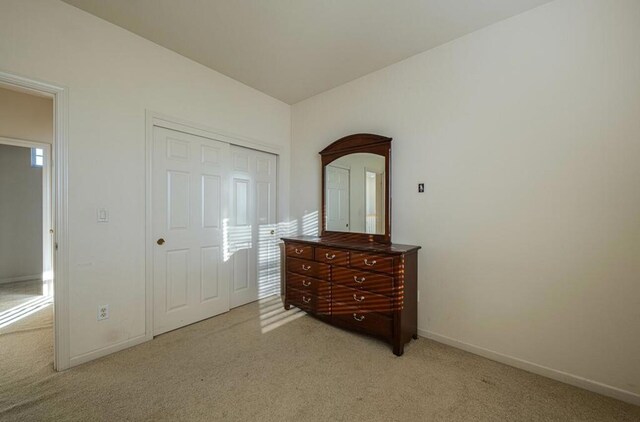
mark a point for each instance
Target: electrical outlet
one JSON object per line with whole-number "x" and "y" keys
{"x": 103, "y": 312}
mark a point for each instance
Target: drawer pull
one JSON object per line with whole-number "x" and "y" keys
{"x": 329, "y": 257}
{"x": 299, "y": 251}
{"x": 306, "y": 267}
{"x": 369, "y": 264}
{"x": 358, "y": 280}
{"x": 306, "y": 299}
{"x": 306, "y": 283}
{"x": 358, "y": 318}
{"x": 358, "y": 299}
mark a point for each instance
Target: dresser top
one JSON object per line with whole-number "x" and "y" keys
{"x": 393, "y": 248}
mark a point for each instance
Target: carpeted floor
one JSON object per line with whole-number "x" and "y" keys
{"x": 19, "y": 293}
{"x": 259, "y": 363}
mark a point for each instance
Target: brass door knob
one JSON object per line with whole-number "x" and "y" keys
{"x": 160, "y": 241}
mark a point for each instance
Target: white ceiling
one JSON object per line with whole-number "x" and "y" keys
{"x": 294, "y": 49}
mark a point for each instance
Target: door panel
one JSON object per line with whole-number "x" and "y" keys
{"x": 209, "y": 275}
{"x": 241, "y": 201}
{"x": 189, "y": 207}
{"x": 252, "y": 231}
{"x": 241, "y": 270}
{"x": 177, "y": 278}
{"x": 211, "y": 202}
{"x": 210, "y": 155}
{"x": 263, "y": 202}
{"x": 177, "y": 149}
{"x": 178, "y": 197}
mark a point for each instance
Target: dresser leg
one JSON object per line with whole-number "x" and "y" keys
{"x": 287, "y": 306}
{"x": 398, "y": 349}
{"x": 415, "y": 336}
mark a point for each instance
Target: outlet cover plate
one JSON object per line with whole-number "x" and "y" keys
{"x": 103, "y": 312}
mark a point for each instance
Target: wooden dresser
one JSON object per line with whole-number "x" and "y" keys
{"x": 362, "y": 286}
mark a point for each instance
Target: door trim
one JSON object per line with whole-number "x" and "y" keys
{"x": 153, "y": 118}
{"x": 59, "y": 209}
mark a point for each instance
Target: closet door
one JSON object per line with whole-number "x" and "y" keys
{"x": 189, "y": 206}
{"x": 251, "y": 241}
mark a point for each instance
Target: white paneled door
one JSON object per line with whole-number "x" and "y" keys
{"x": 337, "y": 198}
{"x": 189, "y": 206}
{"x": 251, "y": 234}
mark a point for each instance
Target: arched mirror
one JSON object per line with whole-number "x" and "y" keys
{"x": 355, "y": 188}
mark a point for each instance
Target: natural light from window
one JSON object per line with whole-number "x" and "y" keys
{"x": 37, "y": 157}
{"x": 19, "y": 312}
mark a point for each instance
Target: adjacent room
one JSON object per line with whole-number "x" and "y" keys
{"x": 26, "y": 286}
{"x": 358, "y": 210}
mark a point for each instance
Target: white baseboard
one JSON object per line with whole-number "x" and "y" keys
{"x": 21, "y": 278}
{"x": 95, "y": 354}
{"x": 575, "y": 380}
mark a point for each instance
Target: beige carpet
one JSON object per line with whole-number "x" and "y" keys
{"x": 242, "y": 366}
{"x": 18, "y": 293}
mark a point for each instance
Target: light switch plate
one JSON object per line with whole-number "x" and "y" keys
{"x": 103, "y": 215}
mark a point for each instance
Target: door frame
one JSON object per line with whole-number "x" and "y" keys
{"x": 59, "y": 207}
{"x": 153, "y": 119}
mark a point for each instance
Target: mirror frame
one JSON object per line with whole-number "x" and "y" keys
{"x": 359, "y": 143}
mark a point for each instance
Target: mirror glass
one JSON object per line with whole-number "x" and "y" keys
{"x": 355, "y": 194}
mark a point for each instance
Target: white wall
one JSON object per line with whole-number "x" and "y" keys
{"x": 527, "y": 137}
{"x": 25, "y": 116}
{"x": 112, "y": 77}
{"x": 20, "y": 214}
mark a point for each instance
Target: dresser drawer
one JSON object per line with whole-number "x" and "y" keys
{"x": 332, "y": 256}
{"x": 308, "y": 268}
{"x": 308, "y": 284}
{"x": 371, "y": 262}
{"x": 309, "y": 302}
{"x": 299, "y": 250}
{"x": 367, "y": 322}
{"x": 366, "y": 280}
{"x": 361, "y": 299}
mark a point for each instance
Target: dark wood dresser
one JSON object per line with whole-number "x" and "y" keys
{"x": 362, "y": 286}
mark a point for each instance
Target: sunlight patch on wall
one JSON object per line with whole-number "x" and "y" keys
{"x": 310, "y": 224}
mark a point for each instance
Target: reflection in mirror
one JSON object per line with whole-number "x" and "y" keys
{"x": 355, "y": 194}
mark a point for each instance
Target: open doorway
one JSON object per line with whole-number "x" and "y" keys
{"x": 26, "y": 230}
